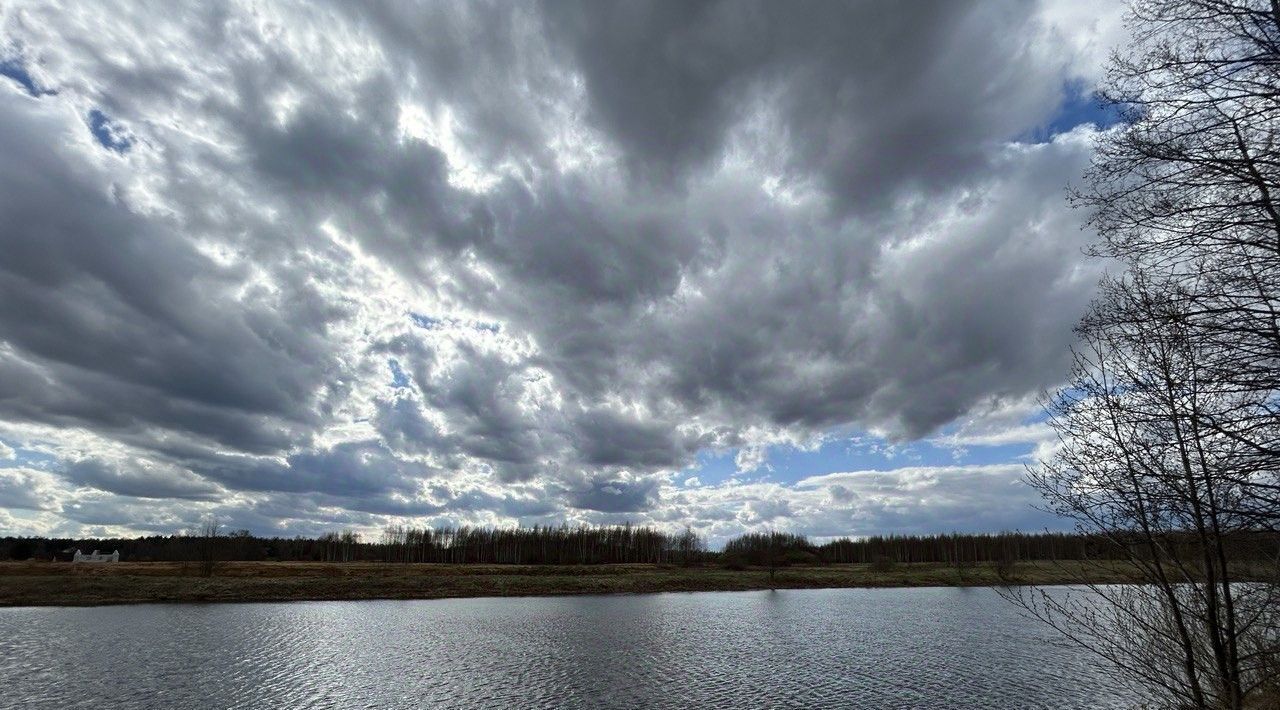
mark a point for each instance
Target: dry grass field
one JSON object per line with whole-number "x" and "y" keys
{"x": 53, "y": 583}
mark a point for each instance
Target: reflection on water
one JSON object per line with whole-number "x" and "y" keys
{"x": 855, "y": 648}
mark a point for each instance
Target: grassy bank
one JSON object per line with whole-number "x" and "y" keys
{"x": 50, "y": 583}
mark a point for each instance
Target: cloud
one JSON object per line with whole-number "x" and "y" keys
{"x": 615, "y": 495}
{"x": 141, "y": 479}
{"x": 112, "y": 319}
{"x": 27, "y": 489}
{"x": 669, "y": 83}
{"x": 526, "y": 262}
{"x": 929, "y": 499}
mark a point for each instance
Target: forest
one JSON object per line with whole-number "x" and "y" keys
{"x": 585, "y": 545}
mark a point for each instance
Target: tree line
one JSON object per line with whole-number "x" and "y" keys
{"x": 621, "y": 544}
{"x": 772, "y": 548}
{"x": 562, "y": 545}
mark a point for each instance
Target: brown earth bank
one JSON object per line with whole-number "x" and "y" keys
{"x": 66, "y": 584}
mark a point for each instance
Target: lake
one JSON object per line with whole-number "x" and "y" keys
{"x": 847, "y": 648}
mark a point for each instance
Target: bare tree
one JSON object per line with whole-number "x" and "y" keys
{"x": 1185, "y": 192}
{"x": 1168, "y": 429}
{"x": 206, "y": 535}
{"x": 1136, "y": 465}
{"x": 689, "y": 547}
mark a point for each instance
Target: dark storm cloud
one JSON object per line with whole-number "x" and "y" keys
{"x": 111, "y": 319}
{"x": 608, "y": 495}
{"x": 488, "y": 61}
{"x": 816, "y": 339}
{"x": 140, "y": 480}
{"x": 667, "y": 80}
{"x": 355, "y": 469}
{"x": 806, "y": 334}
{"x": 342, "y": 158}
{"x": 608, "y": 438}
{"x": 594, "y": 238}
{"x": 588, "y": 244}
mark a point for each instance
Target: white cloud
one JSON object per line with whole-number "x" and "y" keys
{"x": 508, "y": 263}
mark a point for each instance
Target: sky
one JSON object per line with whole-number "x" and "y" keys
{"x": 739, "y": 265}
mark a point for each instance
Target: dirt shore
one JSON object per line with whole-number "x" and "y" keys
{"x": 52, "y": 583}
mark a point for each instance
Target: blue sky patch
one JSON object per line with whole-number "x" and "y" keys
{"x": 29, "y": 458}
{"x": 110, "y": 134}
{"x": 712, "y": 467}
{"x": 17, "y": 71}
{"x": 398, "y": 376}
{"x": 432, "y": 323}
{"x": 850, "y": 452}
{"x": 425, "y": 321}
{"x": 1080, "y": 105}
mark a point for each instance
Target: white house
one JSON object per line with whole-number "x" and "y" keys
{"x": 96, "y": 556}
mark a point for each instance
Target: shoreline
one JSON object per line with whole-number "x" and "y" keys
{"x": 109, "y": 584}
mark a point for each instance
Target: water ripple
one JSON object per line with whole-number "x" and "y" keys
{"x": 845, "y": 648}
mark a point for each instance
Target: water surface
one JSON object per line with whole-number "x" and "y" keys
{"x": 846, "y": 648}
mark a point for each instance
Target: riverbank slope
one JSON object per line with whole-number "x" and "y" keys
{"x": 52, "y": 583}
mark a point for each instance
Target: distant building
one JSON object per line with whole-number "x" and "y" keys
{"x": 96, "y": 556}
